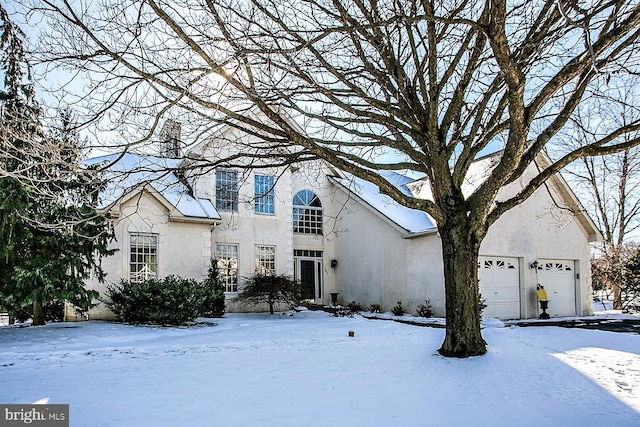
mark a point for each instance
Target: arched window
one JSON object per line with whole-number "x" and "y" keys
{"x": 307, "y": 213}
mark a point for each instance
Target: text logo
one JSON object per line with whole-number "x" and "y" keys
{"x": 34, "y": 415}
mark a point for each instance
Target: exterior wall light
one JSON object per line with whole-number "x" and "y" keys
{"x": 334, "y": 263}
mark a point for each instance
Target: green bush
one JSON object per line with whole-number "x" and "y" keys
{"x": 354, "y": 307}
{"x": 214, "y": 302}
{"x": 375, "y": 308}
{"x": 398, "y": 309}
{"x": 170, "y": 301}
{"x": 482, "y": 304}
{"x": 424, "y": 310}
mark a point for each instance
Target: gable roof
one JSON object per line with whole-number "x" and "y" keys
{"x": 417, "y": 223}
{"x": 128, "y": 174}
{"x": 409, "y": 220}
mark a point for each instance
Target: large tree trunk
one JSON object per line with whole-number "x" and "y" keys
{"x": 38, "y": 314}
{"x": 460, "y": 248}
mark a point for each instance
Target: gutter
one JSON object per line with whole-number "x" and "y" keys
{"x": 416, "y": 234}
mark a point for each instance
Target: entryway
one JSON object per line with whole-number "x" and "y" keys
{"x": 308, "y": 272}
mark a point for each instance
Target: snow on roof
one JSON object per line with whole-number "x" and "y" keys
{"x": 478, "y": 172}
{"x": 412, "y": 220}
{"x": 125, "y": 173}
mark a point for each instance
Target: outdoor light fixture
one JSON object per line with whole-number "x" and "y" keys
{"x": 334, "y": 263}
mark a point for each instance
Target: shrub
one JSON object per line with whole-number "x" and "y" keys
{"x": 424, "y": 310}
{"x": 398, "y": 309}
{"x": 213, "y": 292}
{"x": 354, "y": 307}
{"x": 270, "y": 289}
{"x": 482, "y": 303}
{"x": 375, "y": 308}
{"x": 342, "y": 312}
{"x": 170, "y": 301}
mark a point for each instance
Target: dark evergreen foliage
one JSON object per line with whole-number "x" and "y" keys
{"x": 51, "y": 238}
{"x": 213, "y": 289}
{"x": 398, "y": 309}
{"x": 630, "y": 289}
{"x": 169, "y": 301}
{"x": 425, "y": 310}
{"x": 173, "y": 300}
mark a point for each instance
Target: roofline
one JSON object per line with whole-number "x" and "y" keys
{"x": 198, "y": 149}
{"x": 424, "y": 233}
{"x": 583, "y": 219}
{"x": 405, "y": 234}
{"x": 148, "y": 188}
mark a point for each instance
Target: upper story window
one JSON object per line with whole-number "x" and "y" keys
{"x": 143, "y": 257}
{"x": 263, "y": 194}
{"x": 307, "y": 213}
{"x": 227, "y": 190}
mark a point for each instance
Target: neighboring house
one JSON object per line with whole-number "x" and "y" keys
{"x": 335, "y": 234}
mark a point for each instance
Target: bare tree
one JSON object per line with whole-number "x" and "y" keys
{"x": 430, "y": 84}
{"x": 613, "y": 182}
{"x": 609, "y": 186}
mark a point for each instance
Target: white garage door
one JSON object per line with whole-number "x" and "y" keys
{"x": 500, "y": 286}
{"x": 558, "y": 279}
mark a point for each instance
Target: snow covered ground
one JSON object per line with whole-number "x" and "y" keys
{"x": 304, "y": 370}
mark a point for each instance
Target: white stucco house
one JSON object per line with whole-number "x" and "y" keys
{"x": 335, "y": 234}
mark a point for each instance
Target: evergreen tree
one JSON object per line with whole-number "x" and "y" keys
{"x": 214, "y": 299}
{"x": 630, "y": 289}
{"x": 51, "y": 238}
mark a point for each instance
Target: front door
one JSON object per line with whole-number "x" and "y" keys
{"x": 308, "y": 272}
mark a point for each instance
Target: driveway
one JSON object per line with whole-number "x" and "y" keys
{"x": 603, "y": 324}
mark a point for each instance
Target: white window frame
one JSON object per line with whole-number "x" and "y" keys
{"x": 227, "y": 265}
{"x": 307, "y": 219}
{"x": 227, "y": 190}
{"x": 264, "y": 194}
{"x": 265, "y": 259}
{"x": 147, "y": 258}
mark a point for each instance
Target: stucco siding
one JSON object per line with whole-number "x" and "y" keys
{"x": 384, "y": 268}
{"x": 538, "y": 229}
{"x": 372, "y": 261}
{"x": 183, "y": 248}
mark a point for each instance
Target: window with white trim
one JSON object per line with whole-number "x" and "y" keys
{"x": 227, "y": 190}
{"x": 307, "y": 213}
{"x": 227, "y": 262}
{"x": 265, "y": 260}
{"x": 143, "y": 257}
{"x": 263, "y": 189}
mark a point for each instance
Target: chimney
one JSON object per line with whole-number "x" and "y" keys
{"x": 170, "y": 139}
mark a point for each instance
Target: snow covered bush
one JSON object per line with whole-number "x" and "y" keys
{"x": 172, "y": 300}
